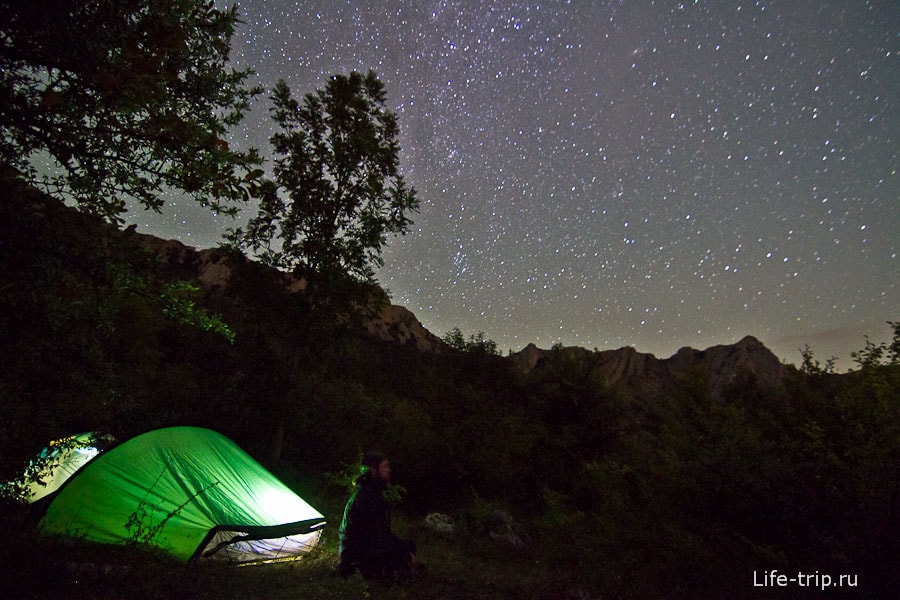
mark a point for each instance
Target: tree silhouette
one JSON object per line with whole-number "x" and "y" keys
{"x": 104, "y": 101}
{"x": 338, "y": 192}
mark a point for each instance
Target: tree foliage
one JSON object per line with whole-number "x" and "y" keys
{"x": 338, "y": 191}
{"x": 106, "y": 101}
{"x": 180, "y": 304}
{"x": 810, "y": 365}
{"x": 476, "y": 342}
{"x": 874, "y": 354}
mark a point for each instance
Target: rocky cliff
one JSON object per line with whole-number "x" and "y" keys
{"x": 644, "y": 374}
{"x": 626, "y": 368}
{"x": 210, "y": 268}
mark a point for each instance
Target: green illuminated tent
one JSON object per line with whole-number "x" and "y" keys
{"x": 188, "y": 491}
{"x": 54, "y": 465}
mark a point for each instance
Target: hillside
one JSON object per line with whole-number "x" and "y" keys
{"x": 640, "y": 373}
{"x": 633, "y": 476}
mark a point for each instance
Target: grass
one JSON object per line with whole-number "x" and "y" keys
{"x": 463, "y": 565}
{"x": 468, "y": 565}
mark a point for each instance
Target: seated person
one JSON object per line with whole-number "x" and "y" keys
{"x": 366, "y": 540}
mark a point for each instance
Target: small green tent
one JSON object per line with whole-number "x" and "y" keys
{"x": 54, "y": 465}
{"x": 188, "y": 491}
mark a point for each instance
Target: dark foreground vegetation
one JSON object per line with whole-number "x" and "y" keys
{"x": 620, "y": 496}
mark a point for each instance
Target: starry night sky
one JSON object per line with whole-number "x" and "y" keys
{"x": 607, "y": 174}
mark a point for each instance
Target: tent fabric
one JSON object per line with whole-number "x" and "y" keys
{"x": 188, "y": 491}
{"x": 56, "y": 463}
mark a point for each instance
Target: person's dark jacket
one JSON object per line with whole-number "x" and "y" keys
{"x": 366, "y": 540}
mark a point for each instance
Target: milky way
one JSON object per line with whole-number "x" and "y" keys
{"x": 604, "y": 174}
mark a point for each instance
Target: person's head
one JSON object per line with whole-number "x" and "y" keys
{"x": 377, "y": 466}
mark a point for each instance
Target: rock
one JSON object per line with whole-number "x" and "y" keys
{"x": 89, "y": 572}
{"x": 527, "y": 358}
{"x": 505, "y": 529}
{"x": 398, "y": 324}
{"x": 440, "y": 523}
{"x": 634, "y": 372}
{"x": 643, "y": 375}
{"x": 211, "y": 270}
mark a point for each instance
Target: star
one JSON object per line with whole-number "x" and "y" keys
{"x": 603, "y": 174}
